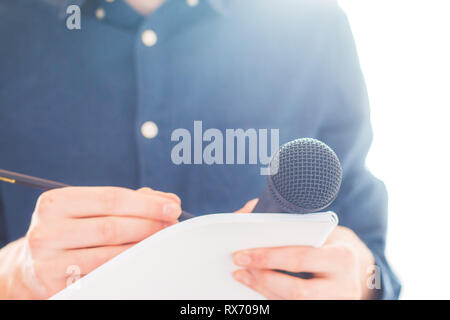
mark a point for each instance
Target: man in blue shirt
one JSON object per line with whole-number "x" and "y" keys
{"x": 97, "y": 106}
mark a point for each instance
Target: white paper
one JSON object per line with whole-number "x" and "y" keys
{"x": 192, "y": 259}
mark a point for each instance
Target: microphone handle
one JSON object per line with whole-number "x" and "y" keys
{"x": 267, "y": 203}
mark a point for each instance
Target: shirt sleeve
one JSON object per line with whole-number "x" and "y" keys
{"x": 345, "y": 126}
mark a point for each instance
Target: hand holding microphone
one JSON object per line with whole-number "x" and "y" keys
{"x": 306, "y": 177}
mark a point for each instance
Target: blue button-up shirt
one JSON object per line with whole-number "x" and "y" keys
{"x": 72, "y": 102}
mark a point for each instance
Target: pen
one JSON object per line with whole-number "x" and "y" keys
{"x": 44, "y": 184}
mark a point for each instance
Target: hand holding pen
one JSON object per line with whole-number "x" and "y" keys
{"x": 76, "y": 229}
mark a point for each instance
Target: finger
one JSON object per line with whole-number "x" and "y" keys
{"x": 79, "y": 202}
{"x": 282, "y": 285}
{"x": 293, "y": 288}
{"x": 167, "y": 195}
{"x": 54, "y": 272}
{"x": 100, "y": 231}
{"x": 89, "y": 259}
{"x": 248, "y": 207}
{"x": 292, "y": 259}
{"x": 246, "y": 278}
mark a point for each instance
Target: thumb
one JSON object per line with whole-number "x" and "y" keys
{"x": 248, "y": 207}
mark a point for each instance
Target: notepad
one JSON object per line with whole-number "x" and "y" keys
{"x": 193, "y": 259}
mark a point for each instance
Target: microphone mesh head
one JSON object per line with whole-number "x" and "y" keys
{"x": 309, "y": 174}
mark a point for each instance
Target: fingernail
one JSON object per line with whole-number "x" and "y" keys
{"x": 172, "y": 210}
{"x": 243, "y": 276}
{"x": 242, "y": 259}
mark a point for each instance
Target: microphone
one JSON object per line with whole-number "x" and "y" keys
{"x": 304, "y": 177}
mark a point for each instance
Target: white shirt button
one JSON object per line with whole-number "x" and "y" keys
{"x": 100, "y": 13}
{"x": 192, "y": 3}
{"x": 149, "y": 129}
{"x": 149, "y": 38}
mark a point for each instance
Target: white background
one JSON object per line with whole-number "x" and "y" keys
{"x": 404, "y": 49}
